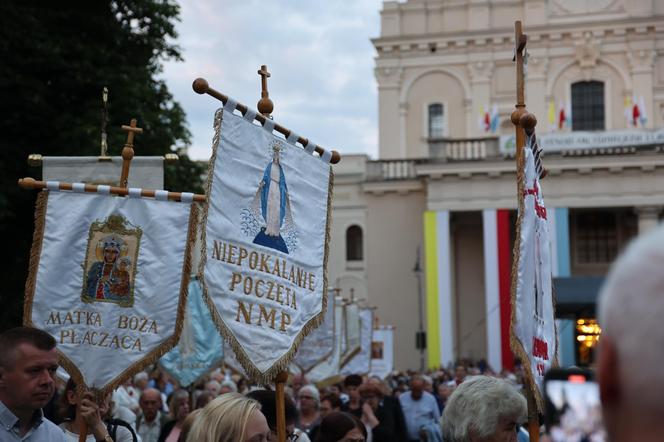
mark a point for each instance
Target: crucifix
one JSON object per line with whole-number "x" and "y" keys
{"x": 128, "y": 150}
{"x": 264, "y": 105}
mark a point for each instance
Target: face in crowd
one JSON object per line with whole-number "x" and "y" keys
{"x": 150, "y": 403}
{"x": 27, "y": 377}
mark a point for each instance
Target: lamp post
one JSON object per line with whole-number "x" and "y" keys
{"x": 420, "y": 338}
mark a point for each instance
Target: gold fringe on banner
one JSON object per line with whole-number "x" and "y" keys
{"x": 149, "y": 359}
{"x": 283, "y": 363}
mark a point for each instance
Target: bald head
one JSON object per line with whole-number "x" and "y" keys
{"x": 150, "y": 403}
{"x": 631, "y": 307}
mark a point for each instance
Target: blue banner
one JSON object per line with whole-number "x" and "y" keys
{"x": 200, "y": 348}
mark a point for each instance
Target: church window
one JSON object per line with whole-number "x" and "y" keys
{"x": 588, "y": 105}
{"x": 354, "y": 244}
{"x": 436, "y": 121}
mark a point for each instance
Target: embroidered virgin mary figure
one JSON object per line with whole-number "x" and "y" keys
{"x": 273, "y": 204}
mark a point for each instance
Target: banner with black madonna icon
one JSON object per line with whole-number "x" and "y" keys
{"x": 108, "y": 279}
{"x": 266, "y": 233}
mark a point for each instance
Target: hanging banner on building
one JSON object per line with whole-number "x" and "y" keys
{"x": 533, "y": 320}
{"x": 200, "y": 348}
{"x": 361, "y": 362}
{"x": 382, "y": 351}
{"x": 108, "y": 279}
{"x": 266, "y": 230}
{"x": 329, "y": 367}
{"x": 352, "y": 328}
{"x": 579, "y": 140}
{"x": 318, "y": 345}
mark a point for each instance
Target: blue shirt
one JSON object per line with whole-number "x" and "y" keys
{"x": 418, "y": 413}
{"x": 42, "y": 430}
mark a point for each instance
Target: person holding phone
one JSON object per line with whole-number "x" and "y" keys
{"x": 630, "y": 364}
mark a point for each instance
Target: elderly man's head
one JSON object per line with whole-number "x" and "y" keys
{"x": 213, "y": 388}
{"x": 631, "y": 360}
{"x": 483, "y": 409}
{"x": 417, "y": 385}
{"x": 150, "y": 403}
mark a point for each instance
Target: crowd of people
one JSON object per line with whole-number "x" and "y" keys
{"x": 476, "y": 405}
{"x": 152, "y": 407}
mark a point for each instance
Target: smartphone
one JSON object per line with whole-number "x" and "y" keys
{"x": 573, "y": 411}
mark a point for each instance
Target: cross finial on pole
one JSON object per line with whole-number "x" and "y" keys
{"x": 103, "y": 155}
{"x": 265, "y": 105}
{"x": 520, "y": 41}
{"x": 128, "y": 150}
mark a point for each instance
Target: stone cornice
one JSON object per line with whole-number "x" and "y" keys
{"x": 434, "y": 42}
{"x": 555, "y": 166}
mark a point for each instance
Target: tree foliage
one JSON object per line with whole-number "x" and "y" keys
{"x": 56, "y": 58}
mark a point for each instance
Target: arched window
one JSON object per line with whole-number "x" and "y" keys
{"x": 354, "y": 245}
{"x": 436, "y": 121}
{"x": 588, "y": 105}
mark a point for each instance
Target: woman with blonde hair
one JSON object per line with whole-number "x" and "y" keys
{"x": 230, "y": 417}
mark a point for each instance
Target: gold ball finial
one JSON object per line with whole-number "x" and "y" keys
{"x": 528, "y": 121}
{"x": 265, "y": 106}
{"x": 516, "y": 115}
{"x": 200, "y": 85}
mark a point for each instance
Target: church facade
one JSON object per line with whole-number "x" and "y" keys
{"x": 424, "y": 232}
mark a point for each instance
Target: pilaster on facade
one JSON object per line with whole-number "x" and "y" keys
{"x": 648, "y": 217}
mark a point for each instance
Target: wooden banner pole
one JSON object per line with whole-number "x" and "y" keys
{"x": 265, "y": 107}
{"x": 520, "y": 41}
{"x": 201, "y": 86}
{"x": 31, "y": 183}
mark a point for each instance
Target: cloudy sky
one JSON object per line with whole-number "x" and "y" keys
{"x": 319, "y": 55}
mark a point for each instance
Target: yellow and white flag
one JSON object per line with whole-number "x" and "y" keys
{"x": 108, "y": 279}
{"x": 266, "y": 229}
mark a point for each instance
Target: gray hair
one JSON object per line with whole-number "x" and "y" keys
{"x": 631, "y": 307}
{"x": 477, "y": 406}
{"x": 141, "y": 376}
{"x": 313, "y": 391}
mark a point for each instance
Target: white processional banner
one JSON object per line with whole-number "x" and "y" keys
{"x": 533, "y": 324}
{"x": 318, "y": 345}
{"x": 329, "y": 368}
{"x": 361, "y": 362}
{"x": 108, "y": 279}
{"x": 266, "y": 230}
{"x": 382, "y": 352}
{"x": 351, "y": 338}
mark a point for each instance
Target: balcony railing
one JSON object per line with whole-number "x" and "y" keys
{"x": 388, "y": 170}
{"x": 463, "y": 149}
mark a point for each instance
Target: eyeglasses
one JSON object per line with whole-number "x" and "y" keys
{"x": 311, "y": 398}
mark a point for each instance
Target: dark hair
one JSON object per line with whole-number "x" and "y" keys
{"x": 66, "y": 410}
{"x": 13, "y": 337}
{"x": 353, "y": 380}
{"x": 333, "y": 399}
{"x": 336, "y": 425}
{"x": 268, "y": 401}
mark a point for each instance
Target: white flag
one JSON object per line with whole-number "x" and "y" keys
{"x": 533, "y": 324}
{"x": 382, "y": 352}
{"x": 318, "y": 345}
{"x": 266, "y": 241}
{"x": 352, "y": 329}
{"x": 329, "y": 367}
{"x": 108, "y": 279}
{"x": 361, "y": 362}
